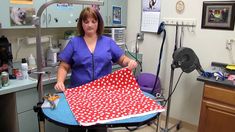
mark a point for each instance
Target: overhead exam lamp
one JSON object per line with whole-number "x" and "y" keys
{"x": 187, "y": 60}
{"x": 39, "y": 48}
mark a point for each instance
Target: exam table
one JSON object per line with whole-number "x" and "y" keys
{"x": 63, "y": 116}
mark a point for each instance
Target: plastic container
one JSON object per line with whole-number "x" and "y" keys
{"x": 52, "y": 55}
{"x": 24, "y": 68}
{"x": 32, "y": 62}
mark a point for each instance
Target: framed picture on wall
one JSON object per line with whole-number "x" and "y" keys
{"x": 21, "y": 16}
{"x": 218, "y": 15}
{"x": 117, "y": 15}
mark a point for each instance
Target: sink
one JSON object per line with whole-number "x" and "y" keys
{"x": 48, "y": 73}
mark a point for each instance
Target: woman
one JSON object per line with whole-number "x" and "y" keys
{"x": 90, "y": 55}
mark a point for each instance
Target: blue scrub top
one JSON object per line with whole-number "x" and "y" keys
{"x": 87, "y": 66}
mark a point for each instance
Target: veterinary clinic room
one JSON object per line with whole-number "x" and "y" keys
{"x": 117, "y": 66}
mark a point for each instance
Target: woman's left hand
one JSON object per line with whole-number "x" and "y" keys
{"x": 132, "y": 64}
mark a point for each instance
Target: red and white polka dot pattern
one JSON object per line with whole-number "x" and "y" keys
{"x": 112, "y": 97}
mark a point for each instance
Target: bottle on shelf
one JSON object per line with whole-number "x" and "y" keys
{"x": 24, "y": 68}
{"x": 52, "y": 54}
{"x": 32, "y": 62}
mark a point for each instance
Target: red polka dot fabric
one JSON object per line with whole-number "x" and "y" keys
{"x": 112, "y": 97}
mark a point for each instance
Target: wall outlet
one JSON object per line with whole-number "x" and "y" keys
{"x": 230, "y": 41}
{"x": 140, "y": 36}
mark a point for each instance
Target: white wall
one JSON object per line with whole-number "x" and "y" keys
{"x": 209, "y": 45}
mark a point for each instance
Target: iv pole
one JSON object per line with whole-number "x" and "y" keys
{"x": 39, "y": 51}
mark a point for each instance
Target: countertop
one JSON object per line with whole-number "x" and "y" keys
{"x": 217, "y": 67}
{"x": 222, "y": 82}
{"x": 18, "y": 85}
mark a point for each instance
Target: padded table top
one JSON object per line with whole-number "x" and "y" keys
{"x": 62, "y": 115}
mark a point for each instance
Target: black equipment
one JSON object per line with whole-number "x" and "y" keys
{"x": 187, "y": 60}
{"x": 5, "y": 54}
{"x": 161, "y": 28}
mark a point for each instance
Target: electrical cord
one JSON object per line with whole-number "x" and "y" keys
{"x": 140, "y": 63}
{"x": 165, "y": 101}
{"x": 160, "y": 58}
{"x": 136, "y": 51}
{"x": 132, "y": 129}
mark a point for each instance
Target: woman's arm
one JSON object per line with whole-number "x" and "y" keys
{"x": 61, "y": 75}
{"x": 124, "y": 61}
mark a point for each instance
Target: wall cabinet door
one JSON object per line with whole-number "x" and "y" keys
{"x": 114, "y": 12}
{"x": 59, "y": 15}
{"x": 103, "y": 11}
{"x": 4, "y": 13}
{"x": 63, "y": 15}
{"x": 117, "y": 12}
{"x": 20, "y": 14}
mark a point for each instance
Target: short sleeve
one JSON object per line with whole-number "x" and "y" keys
{"x": 66, "y": 54}
{"x": 116, "y": 51}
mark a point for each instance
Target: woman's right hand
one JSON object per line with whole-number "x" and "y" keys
{"x": 59, "y": 86}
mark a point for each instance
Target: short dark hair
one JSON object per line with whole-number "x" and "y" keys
{"x": 90, "y": 12}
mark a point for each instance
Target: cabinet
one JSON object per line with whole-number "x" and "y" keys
{"x": 114, "y": 12}
{"x": 217, "y": 109}
{"x": 20, "y": 14}
{"x": 8, "y": 113}
{"x": 26, "y": 117}
{"x": 59, "y": 15}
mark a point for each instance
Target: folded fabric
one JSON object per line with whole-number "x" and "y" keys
{"x": 112, "y": 97}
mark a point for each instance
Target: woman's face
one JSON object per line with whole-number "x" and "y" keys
{"x": 90, "y": 26}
